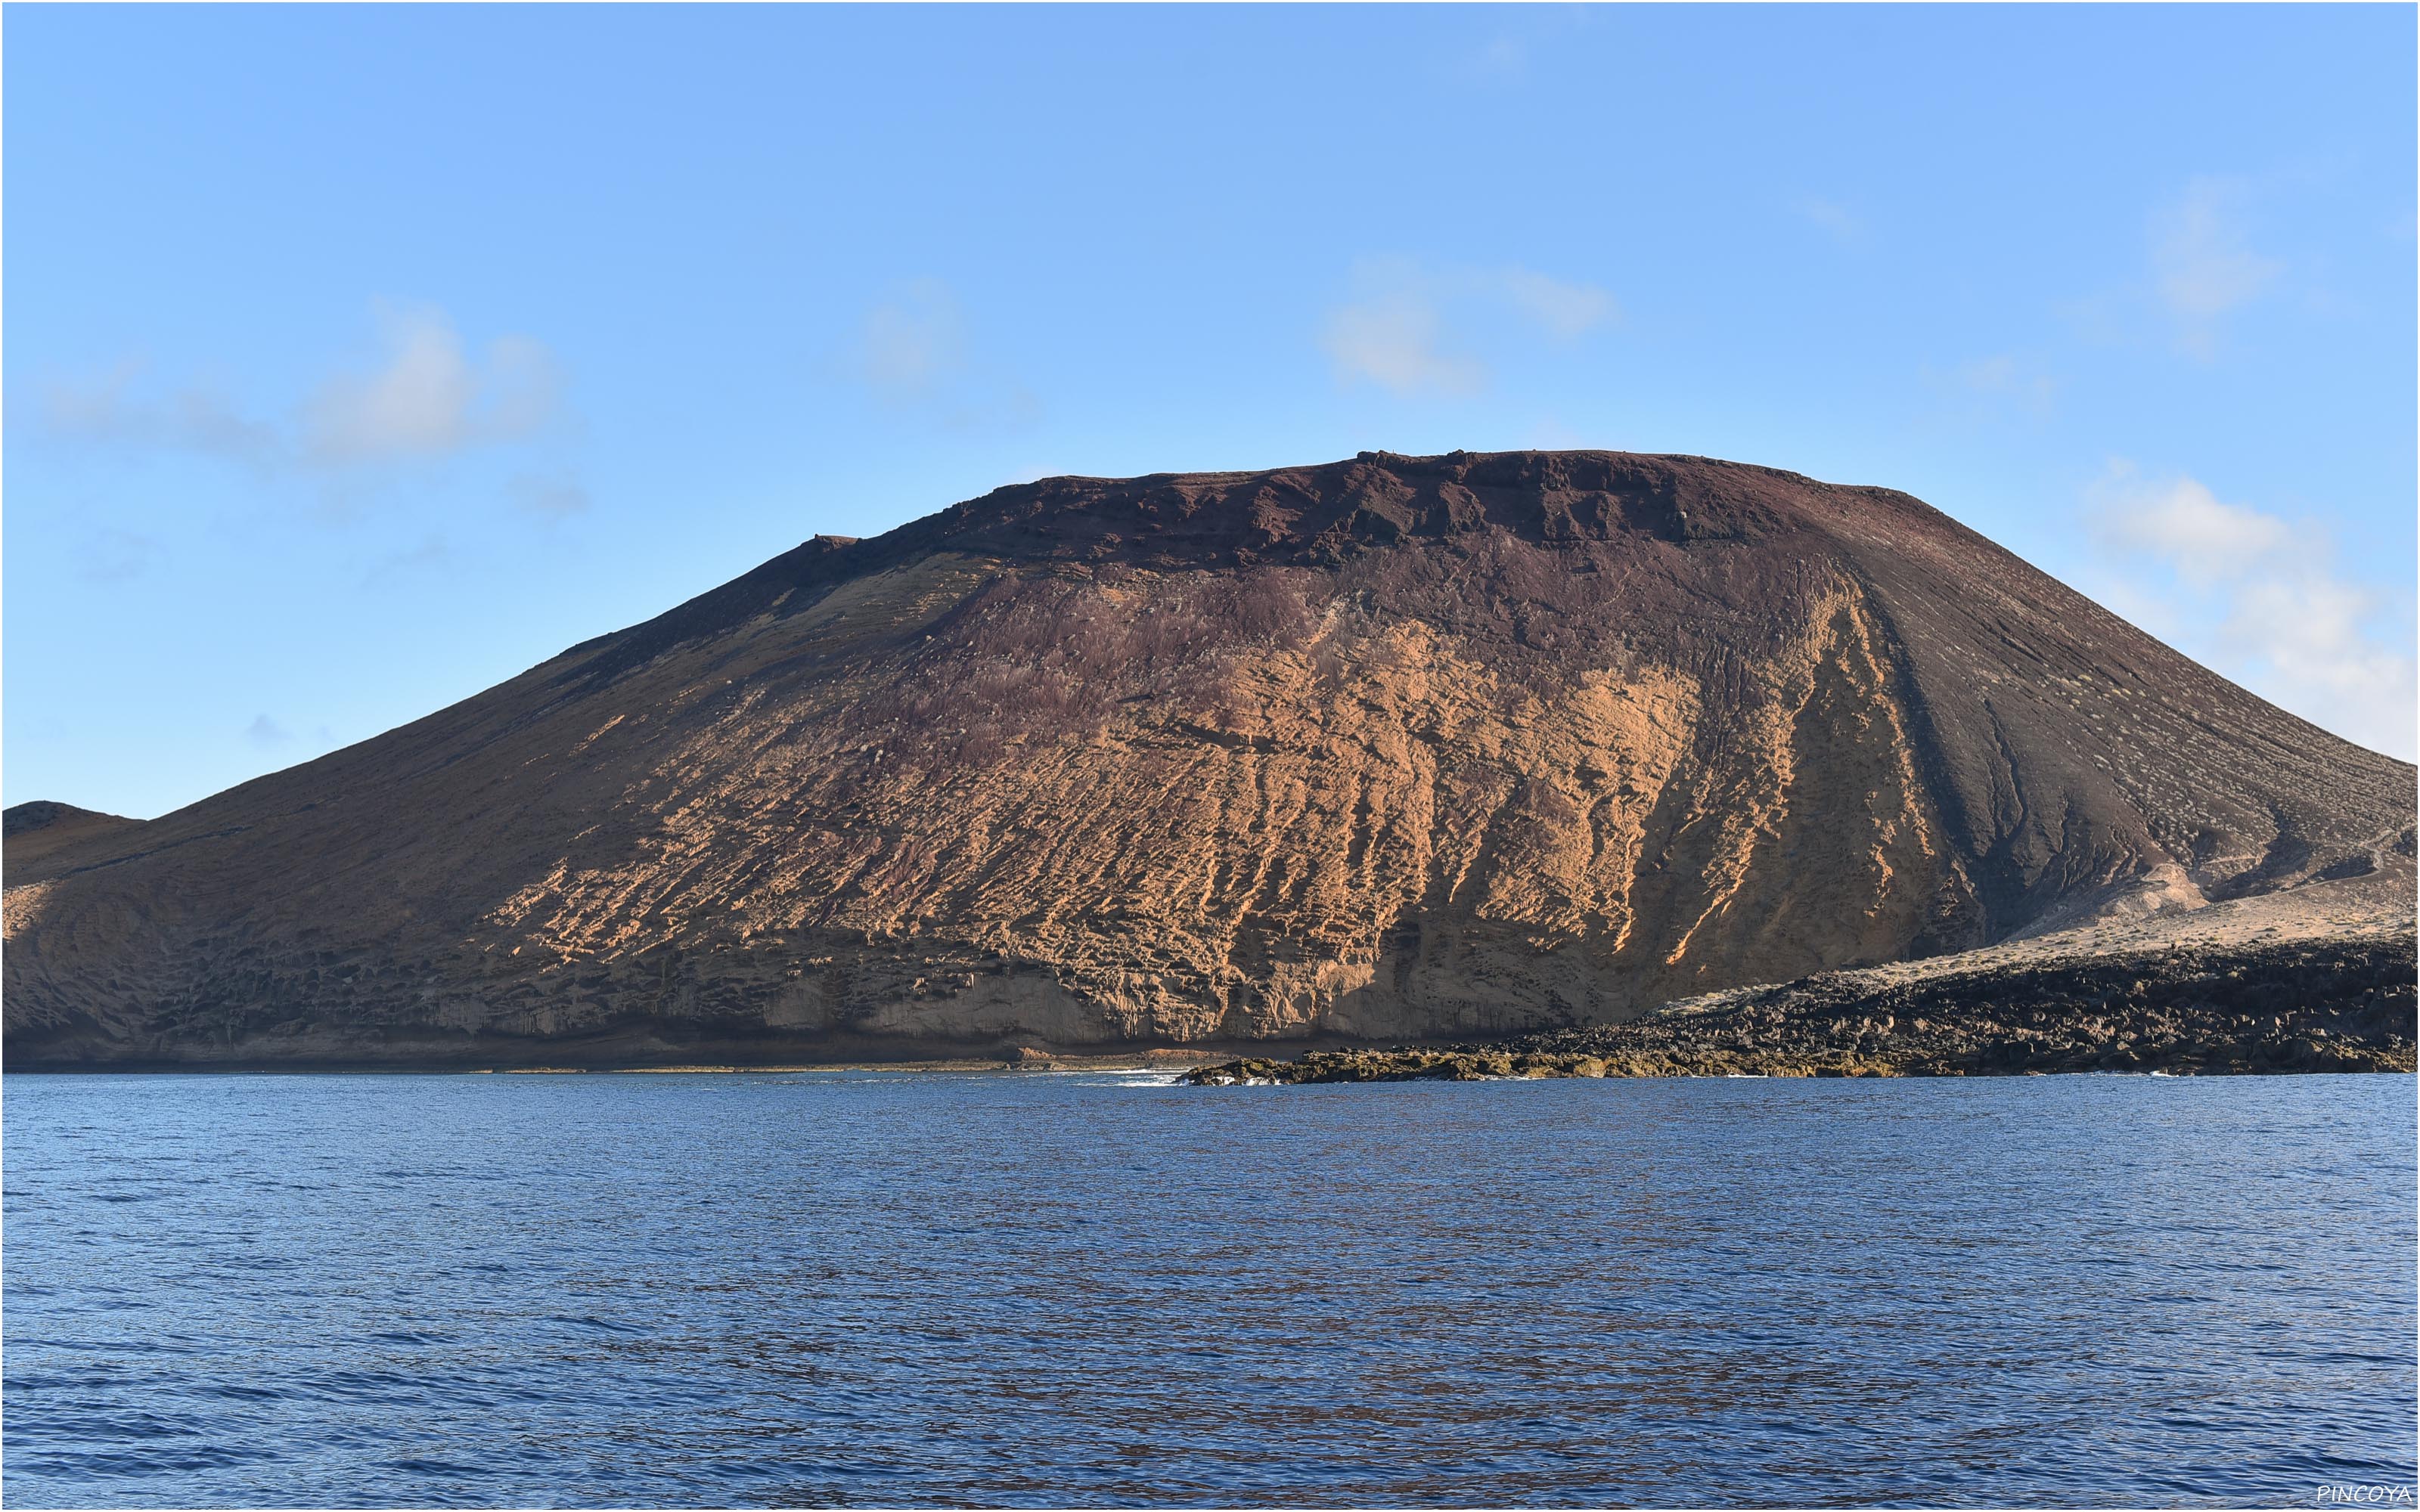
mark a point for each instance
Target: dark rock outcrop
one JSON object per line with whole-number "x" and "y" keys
{"x": 2308, "y": 1005}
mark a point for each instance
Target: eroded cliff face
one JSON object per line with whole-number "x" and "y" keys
{"x": 1389, "y": 749}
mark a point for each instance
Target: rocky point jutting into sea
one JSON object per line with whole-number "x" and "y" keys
{"x": 1394, "y": 750}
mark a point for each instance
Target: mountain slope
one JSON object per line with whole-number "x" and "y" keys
{"x": 1390, "y": 748}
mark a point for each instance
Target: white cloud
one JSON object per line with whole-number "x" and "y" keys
{"x": 521, "y": 387}
{"x": 110, "y": 410}
{"x": 265, "y": 730}
{"x": 1996, "y": 382}
{"x": 428, "y": 398}
{"x": 1394, "y": 331}
{"x": 1836, "y": 220}
{"x": 2182, "y": 522}
{"x": 2202, "y": 263}
{"x": 914, "y": 342}
{"x": 207, "y": 419}
{"x": 418, "y": 401}
{"x": 2260, "y": 599}
{"x": 93, "y": 409}
{"x": 913, "y": 351}
{"x": 1564, "y": 312}
{"x": 1392, "y": 340}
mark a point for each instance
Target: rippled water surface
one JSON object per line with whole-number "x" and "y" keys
{"x": 1053, "y": 1290}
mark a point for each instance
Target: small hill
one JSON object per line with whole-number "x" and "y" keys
{"x": 1389, "y": 749}
{"x": 30, "y": 832}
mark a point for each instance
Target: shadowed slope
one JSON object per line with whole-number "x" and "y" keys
{"x": 1391, "y": 748}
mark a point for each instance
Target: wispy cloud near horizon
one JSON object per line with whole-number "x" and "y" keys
{"x": 424, "y": 396}
{"x": 1396, "y": 332}
{"x": 2262, "y": 599}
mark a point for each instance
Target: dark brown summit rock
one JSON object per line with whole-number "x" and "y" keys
{"x": 1391, "y": 748}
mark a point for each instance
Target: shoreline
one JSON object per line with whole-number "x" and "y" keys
{"x": 1046, "y": 1065}
{"x": 2188, "y": 1006}
{"x": 2288, "y": 1008}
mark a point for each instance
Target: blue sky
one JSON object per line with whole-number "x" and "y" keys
{"x": 357, "y": 358}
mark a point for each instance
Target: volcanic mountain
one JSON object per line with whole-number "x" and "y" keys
{"x": 1389, "y": 749}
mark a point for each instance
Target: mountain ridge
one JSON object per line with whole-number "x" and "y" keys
{"x": 1386, "y": 747}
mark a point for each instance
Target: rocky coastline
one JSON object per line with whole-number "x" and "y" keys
{"x": 2345, "y": 1005}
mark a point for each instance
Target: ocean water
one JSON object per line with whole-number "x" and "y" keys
{"x": 1053, "y": 1290}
